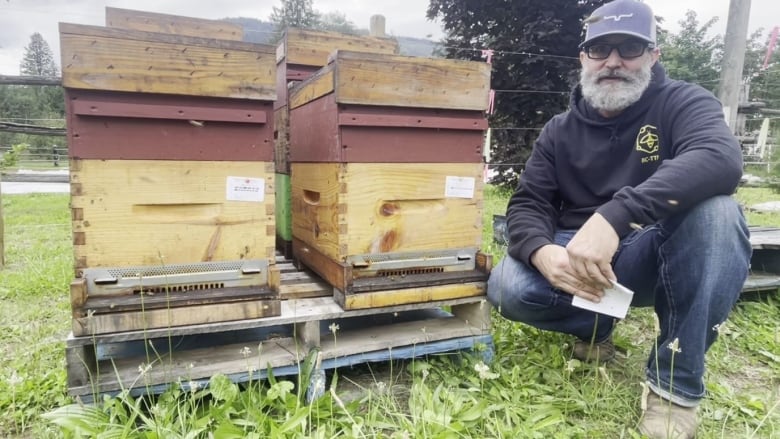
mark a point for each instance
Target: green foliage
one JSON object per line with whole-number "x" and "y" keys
{"x": 691, "y": 54}
{"x": 294, "y": 13}
{"x": 764, "y": 83}
{"x": 514, "y": 30}
{"x": 301, "y": 14}
{"x": 532, "y": 389}
{"x": 337, "y": 22}
{"x": 11, "y": 158}
{"x": 38, "y": 59}
{"x": 36, "y": 105}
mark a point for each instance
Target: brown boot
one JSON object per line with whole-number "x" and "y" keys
{"x": 600, "y": 352}
{"x": 663, "y": 419}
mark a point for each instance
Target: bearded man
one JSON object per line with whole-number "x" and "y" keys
{"x": 631, "y": 185}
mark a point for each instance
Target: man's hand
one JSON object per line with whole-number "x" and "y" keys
{"x": 553, "y": 262}
{"x": 591, "y": 250}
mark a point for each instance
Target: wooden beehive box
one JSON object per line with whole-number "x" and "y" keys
{"x": 100, "y": 58}
{"x": 158, "y": 125}
{"x": 172, "y": 181}
{"x": 368, "y": 108}
{"x": 343, "y": 214}
{"x": 299, "y": 55}
{"x": 172, "y": 24}
{"x": 386, "y": 156}
{"x": 157, "y": 212}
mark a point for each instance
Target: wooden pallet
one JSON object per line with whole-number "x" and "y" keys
{"x": 765, "y": 261}
{"x": 107, "y": 363}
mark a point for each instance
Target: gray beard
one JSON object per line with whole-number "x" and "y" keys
{"x": 616, "y": 96}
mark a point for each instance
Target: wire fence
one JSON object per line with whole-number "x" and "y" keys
{"x": 54, "y": 159}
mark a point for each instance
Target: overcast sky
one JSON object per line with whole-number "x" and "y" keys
{"x": 21, "y": 18}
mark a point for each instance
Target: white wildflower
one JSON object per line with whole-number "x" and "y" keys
{"x": 245, "y": 351}
{"x": 194, "y": 386}
{"x": 572, "y": 365}
{"x": 334, "y": 327}
{"x": 722, "y": 328}
{"x": 15, "y": 379}
{"x": 425, "y": 374}
{"x": 143, "y": 369}
{"x": 603, "y": 373}
{"x": 656, "y": 324}
{"x": 674, "y": 346}
{"x": 484, "y": 371}
{"x": 381, "y": 387}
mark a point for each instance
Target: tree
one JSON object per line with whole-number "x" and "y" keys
{"x": 534, "y": 67}
{"x": 764, "y": 82}
{"x": 690, "y": 55}
{"x": 337, "y": 22}
{"x": 25, "y": 103}
{"x": 294, "y": 13}
{"x": 38, "y": 59}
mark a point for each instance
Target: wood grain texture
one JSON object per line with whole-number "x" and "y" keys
{"x": 312, "y": 48}
{"x": 172, "y": 24}
{"x": 152, "y": 212}
{"x": 145, "y": 62}
{"x": 401, "y": 81}
{"x": 361, "y": 208}
{"x": 292, "y": 311}
{"x": 402, "y": 338}
{"x": 381, "y": 299}
{"x": 317, "y": 86}
{"x": 282, "y": 140}
{"x": 164, "y": 318}
{"x": 411, "y": 81}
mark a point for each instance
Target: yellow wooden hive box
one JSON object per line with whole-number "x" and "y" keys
{"x": 345, "y": 210}
{"x": 161, "y": 212}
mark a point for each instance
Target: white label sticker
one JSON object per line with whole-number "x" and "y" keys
{"x": 245, "y": 189}
{"x": 459, "y": 187}
{"x": 614, "y": 302}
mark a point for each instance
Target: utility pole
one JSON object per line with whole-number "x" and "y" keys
{"x": 377, "y": 28}
{"x": 733, "y": 60}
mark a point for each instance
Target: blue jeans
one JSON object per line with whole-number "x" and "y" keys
{"x": 691, "y": 267}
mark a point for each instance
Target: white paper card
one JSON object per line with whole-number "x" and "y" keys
{"x": 459, "y": 187}
{"x": 614, "y": 302}
{"x": 245, "y": 189}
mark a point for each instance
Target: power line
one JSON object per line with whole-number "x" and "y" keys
{"x": 533, "y": 91}
{"x": 506, "y": 52}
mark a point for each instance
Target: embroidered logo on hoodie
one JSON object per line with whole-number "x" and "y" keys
{"x": 648, "y": 143}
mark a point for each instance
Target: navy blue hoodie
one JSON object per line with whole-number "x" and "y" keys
{"x": 662, "y": 155}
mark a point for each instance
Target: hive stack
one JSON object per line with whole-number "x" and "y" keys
{"x": 386, "y": 167}
{"x": 299, "y": 55}
{"x": 171, "y": 159}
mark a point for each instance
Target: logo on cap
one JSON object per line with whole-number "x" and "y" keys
{"x": 618, "y": 17}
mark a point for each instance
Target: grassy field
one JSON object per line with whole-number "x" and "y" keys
{"x": 532, "y": 389}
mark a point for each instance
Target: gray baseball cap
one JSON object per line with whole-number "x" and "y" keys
{"x": 624, "y": 17}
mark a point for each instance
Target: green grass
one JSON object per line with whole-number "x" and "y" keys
{"x": 533, "y": 388}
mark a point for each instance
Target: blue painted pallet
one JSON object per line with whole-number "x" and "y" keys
{"x": 186, "y": 360}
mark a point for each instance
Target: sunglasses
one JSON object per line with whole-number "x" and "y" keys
{"x": 627, "y": 49}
